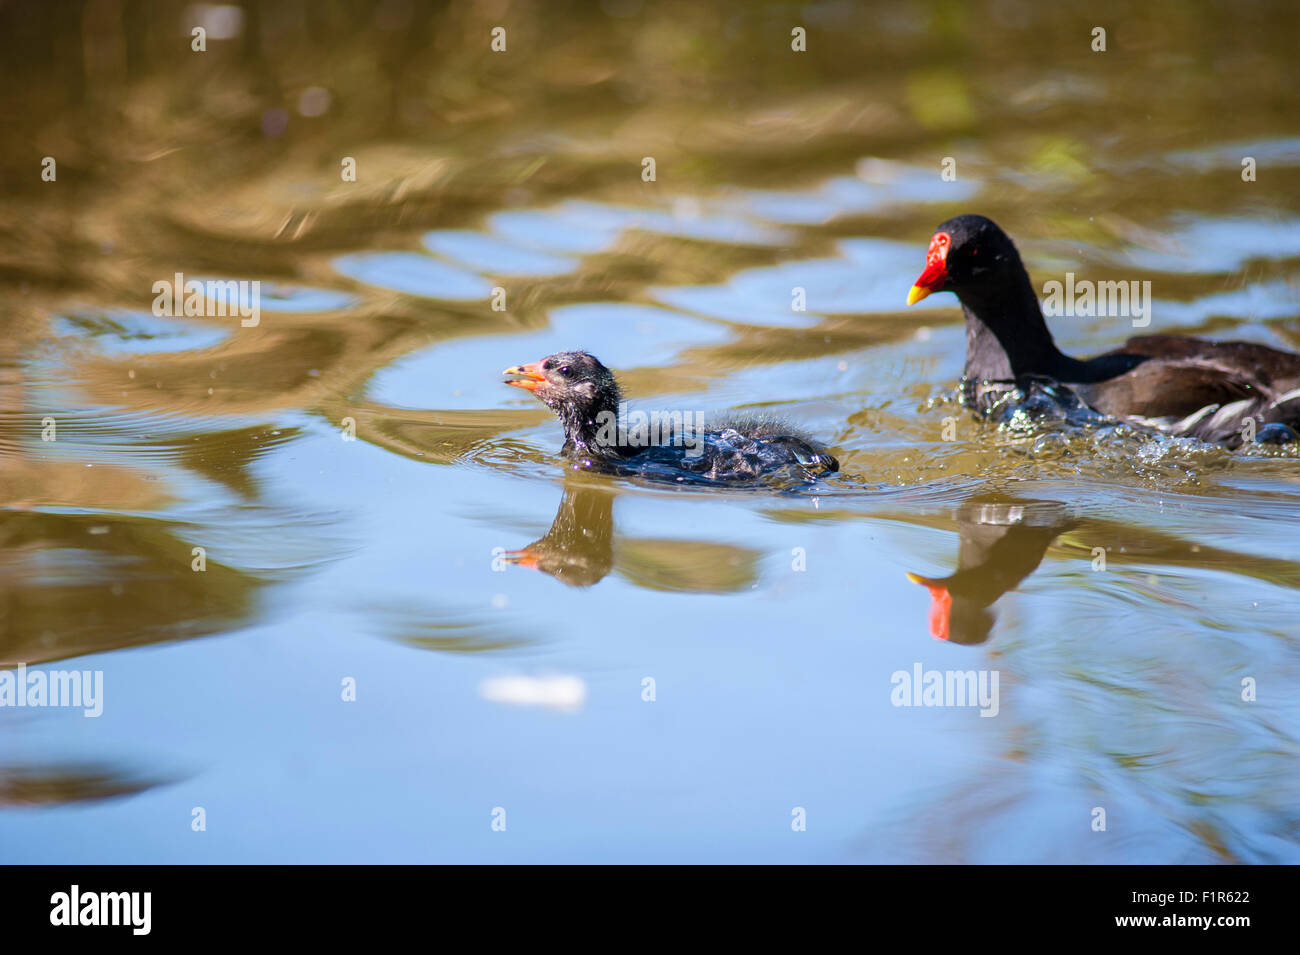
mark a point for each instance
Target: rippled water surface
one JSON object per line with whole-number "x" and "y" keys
{"x": 503, "y": 618}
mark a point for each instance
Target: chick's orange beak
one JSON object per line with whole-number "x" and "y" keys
{"x": 527, "y": 377}
{"x": 524, "y": 558}
{"x": 936, "y": 269}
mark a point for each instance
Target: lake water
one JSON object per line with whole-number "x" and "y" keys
{"x": 361, "y": 673}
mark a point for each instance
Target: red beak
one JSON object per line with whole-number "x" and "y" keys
{"x": 940, "y": 605}
{"x": 936, "y": 269}
{"x": 527, "y": 377}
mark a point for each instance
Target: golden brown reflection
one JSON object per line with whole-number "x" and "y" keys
{"x": 1002, "y": 540}
{"x": 76, "y": 584}
{"x": 578, "y": 550}
{"x": 35, "y": 786}
{"x": 581, "y": 548}
{"x": 1001, "y": 543}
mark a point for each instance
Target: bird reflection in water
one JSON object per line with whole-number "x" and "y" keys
{"x": 1002, "y": 542}
{"x": 578, "y": 550}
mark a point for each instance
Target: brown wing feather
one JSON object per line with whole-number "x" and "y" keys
{"x": 1169, "y": 387}
{"x": 1182, "y": 375}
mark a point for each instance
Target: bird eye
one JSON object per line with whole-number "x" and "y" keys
{"x": 564, "y": 370}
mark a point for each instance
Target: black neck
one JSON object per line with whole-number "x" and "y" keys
{"x": 583, "y": 423}
{"x": 1006, "y": 335}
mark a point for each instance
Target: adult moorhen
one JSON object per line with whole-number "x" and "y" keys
{"x": 1179, "y": 385}
{"x": 585, "y": 397}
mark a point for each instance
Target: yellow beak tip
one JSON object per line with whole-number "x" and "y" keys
{"x": 917, "y": 294}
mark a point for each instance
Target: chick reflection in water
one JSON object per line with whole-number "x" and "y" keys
{"x": 579, "y": 550}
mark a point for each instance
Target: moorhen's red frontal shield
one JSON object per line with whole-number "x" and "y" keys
{"x": 936, "y": 269}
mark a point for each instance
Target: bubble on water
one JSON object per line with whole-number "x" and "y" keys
{"x": 220, "y": 21}
{"x": 1050, "y": 444}
{"x": 274, "y": 122}
{"x": 314, "y": 101}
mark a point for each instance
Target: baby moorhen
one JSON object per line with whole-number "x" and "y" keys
{"x": 1175, "y": 384}
{"x": 585, "y": 397}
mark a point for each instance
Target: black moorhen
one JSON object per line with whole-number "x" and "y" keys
{"x": 584, "y": 395}
{"x": 1175, "y": 384}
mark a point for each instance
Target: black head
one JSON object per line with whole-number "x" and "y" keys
{"x": 574, "y": 385}
{"x": 968, "y": 255}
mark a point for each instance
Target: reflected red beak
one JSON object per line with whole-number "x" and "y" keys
{"x": 527, "y": 377}
{"x": 940, "y": 606}
{"x": 936, "y": 269}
